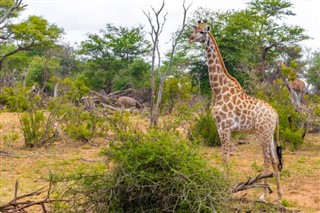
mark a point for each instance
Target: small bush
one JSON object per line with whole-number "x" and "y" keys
{"x": 83, "y": 125}
{"x": 15, "y": 98}
{"x": 37, "y": 129}
{"x": 10, "y": 137}
{"x": 154, "y": 172}
{"x": 293, "y": 137}
{"x": 205, "y": 130}
{"x": 38, "y": 126}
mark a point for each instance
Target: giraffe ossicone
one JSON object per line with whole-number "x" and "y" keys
{"x": 234, "y": 110}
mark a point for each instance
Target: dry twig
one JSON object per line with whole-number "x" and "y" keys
{"x": 252, "y": 183}
{"x": 17, "y": 204}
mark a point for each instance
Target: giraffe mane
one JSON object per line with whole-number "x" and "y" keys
{"x": 222, "y": 62}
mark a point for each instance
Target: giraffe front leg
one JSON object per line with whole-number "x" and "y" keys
{"x": 224, "y": 136}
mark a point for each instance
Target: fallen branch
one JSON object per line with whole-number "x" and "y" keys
{"x": 89, "y": 161}
{"x": 272, "y": 207}
{"x": 16, "y": 205}
{"x": 7, "y": 154}
{"x": 252, "y": 183}
{"x": 278, "y": 207}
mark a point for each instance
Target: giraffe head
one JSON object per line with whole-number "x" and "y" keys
{"x": 200, "y": 33}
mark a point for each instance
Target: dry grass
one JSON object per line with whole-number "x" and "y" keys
{"x": 300, "y": 177}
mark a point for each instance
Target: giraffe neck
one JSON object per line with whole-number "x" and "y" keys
{"x": 220, "y": 79}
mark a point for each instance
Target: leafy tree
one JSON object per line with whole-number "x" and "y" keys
{"x": 35, "y": 32}
{"x": 136, "y": 75}
{"x": 111, "y": 51}
{"x": 250, "y": 40}
{"x": 313, "y": 72}
{"x": 41, "y": 69}
{"x": 272, "y": 35}
{"x": 175, "y": 90}
{"x": 9, "y": 9}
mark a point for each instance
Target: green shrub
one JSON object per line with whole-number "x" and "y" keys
{"x": 175, "y": 90}
{"x": 205, "y": 130}
{"x": 83, "y": 125}
{"x": 10, "y": 137}
{"x": 37, "y": 129}
{"x": 72, "y": 90}
{"x": 154, "y": 172}
{"x": 293, "y": 137}
{"x": 38, "y": 126}
{"x": 15, "y": 98}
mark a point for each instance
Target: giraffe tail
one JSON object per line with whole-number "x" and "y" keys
{"x": 279, "y": 149}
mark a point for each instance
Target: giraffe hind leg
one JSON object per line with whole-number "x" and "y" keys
{"x": 275, "y": 166}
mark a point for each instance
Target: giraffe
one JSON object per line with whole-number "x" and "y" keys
{"x": 297, "y": 88}
{"x": 234, "y": 110}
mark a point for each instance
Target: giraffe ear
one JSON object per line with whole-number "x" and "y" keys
{"x": 208, "y": 28}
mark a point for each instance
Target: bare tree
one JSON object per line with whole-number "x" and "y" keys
{"x": 156, "y": 30}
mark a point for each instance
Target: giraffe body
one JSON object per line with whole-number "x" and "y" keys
{"x": 234, "y": 110}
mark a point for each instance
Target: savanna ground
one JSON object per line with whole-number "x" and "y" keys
{"x": 300, "y": 176}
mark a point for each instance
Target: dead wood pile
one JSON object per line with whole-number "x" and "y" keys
{"x": 109, "y": 101}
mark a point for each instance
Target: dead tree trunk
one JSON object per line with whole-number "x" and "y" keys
{"x": 156, "y": 30}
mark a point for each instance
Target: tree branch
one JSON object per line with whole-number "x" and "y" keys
{"x": 10, "y": 10}
{"x": 252, "y": 183}
{"x": 19, "y": 206}
{"x": 19, "y": 49}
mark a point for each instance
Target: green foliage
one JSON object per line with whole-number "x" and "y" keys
{"x": 37, "y": 67}
{"x": 83, "y": 125}
{"x": 154, "y": 172}
{"x": 293, "y": 137}
{"x": 288, "y": 71}
{"x": 10, "y": 137}
{"x": 32, "y": 127}
{"x": 4, "y": 7}
{"x": 110, "y": 54}
{"x": 200, "y": 76}
{"x": 136, "y": 75}
{"x": 39, "y": 126}
{"x": 205, "y": 130}
{"x": 314, "y": 72}
{"x": 35, "y": 31}
{"x": 288, "y": 203}
{"x": 175, "y": 90}
{"x": 250, "y": 36}
{"x": 15, "y": 98}
{"x": 72, "y": 90}
{"x": 257, "y": 168}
